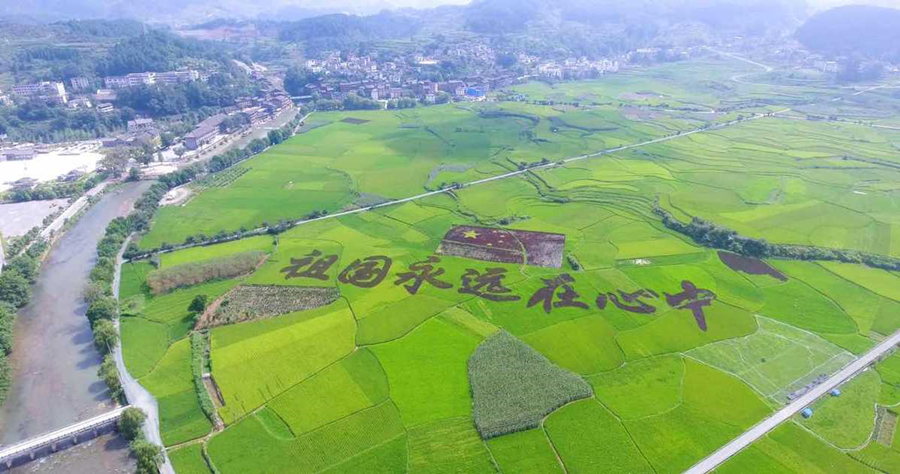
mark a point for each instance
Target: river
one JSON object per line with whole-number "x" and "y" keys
{"x": 54, "y": 362}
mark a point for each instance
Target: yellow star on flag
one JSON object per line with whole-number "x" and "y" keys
{"x": 470, "y": 234}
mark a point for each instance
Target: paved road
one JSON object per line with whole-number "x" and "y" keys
{"x": 76, "y": 206}
{"x": 136, "y": 394}
{"x": 739, "y": 58}
{"x": 717, "y": 458}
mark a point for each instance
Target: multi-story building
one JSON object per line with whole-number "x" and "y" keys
{"x": 140, "y": 125}
{"x": 130, "y": 80}
{"x": 150, "y": 78}
{"x": 18, "y": 154}
{"x": 200, "y": 137}
{"x": 177, "y": 77}
{"x": 254, "y": 115}
{"x": 52, "y": 91}
{"x": 115, "y": 82}
{"x": 80, "y": 83}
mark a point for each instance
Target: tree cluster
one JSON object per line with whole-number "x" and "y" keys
{"x": 160, "y": 100}
{"x": 190, "y": 274}
{"x": 149, "y": 456}
{"x": 37, "y": 121}
{"x": 156, "y": 50}
{"x": 55, "y": 190}
{"x": 19, "y": 273}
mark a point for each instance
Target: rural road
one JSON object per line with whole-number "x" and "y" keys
{"x": 760, "y": 429}
{"x": 72, "y": 210}
{"x": 137, "y": 395}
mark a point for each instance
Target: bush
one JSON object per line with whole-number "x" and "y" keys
{"x": 7, "y": 320}
{"x": 106, "y": 337}
{"x": 5, "y": 377}
{"x": 131, "y": 422}
{"x": 14, "y": 288}
{"x": 105, "y": 308}
{"x": 110, "y": 375}
{"x": 163, "y": 281}
{"x": 198, "y": 304}
{"x": 149, "y": 456}
{"x": 94, "y": 291}
{"x": 26, "y": 265}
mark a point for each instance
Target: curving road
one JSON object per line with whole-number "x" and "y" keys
{"x": 136, "y": 394}
{"x": 760, "y": 429}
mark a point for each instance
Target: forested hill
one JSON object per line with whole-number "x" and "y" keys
{"x": 546, "y": 27}
{"x": 854, "y": 30}
{"x": 746, "y": 16}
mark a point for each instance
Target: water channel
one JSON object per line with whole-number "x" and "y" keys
{"x": 54, "y": 362}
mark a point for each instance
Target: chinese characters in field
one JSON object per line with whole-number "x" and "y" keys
{"x": 556, "y": 292}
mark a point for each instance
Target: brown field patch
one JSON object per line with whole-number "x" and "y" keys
{"x": 540, "y": 249}
{"x": 750, "y": 265}
{"x": 885, "y": 424}
{"x": 354, "y": 121}
{"x": 190, "y": 274}
{"x": 249, "y": 303}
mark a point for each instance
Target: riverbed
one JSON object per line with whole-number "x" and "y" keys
{"x": 54, "y": 362}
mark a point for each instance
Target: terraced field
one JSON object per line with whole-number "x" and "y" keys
{"x": 449, "y": 318}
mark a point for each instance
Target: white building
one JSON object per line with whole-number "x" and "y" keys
{"x": 80, "y": 83}
{"x": 150, "y": 78}
{"x": 54, "y": 91}
{"x": 177, "y": 77}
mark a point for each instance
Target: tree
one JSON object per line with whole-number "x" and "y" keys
{"x": 149, "y": 456}
{"x": 296, "y": 80}
{"x": 198, "y": 305}
{"x": 506, "y": 60}
{"x": 131, "y": 422}
{"x": 14, "y": 289}
{"x": 26, "y": 265}
{"x": 134, "y": 174}
{"x": 275, "y": 137}
{"x": 104, "y": 308}
{"x": 110, "y": 376}
{"x": 115, "y": 160}
{"x": 7, "y": 319}
{"x": 144, "y": 154}
{"x": 105, "y": 336}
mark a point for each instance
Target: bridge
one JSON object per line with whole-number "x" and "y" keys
{"x": 27, "y": 450}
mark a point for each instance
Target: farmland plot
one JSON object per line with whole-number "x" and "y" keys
{"x": 348, "y": 349}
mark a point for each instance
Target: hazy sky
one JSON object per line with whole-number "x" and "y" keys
{"x": 415, "y": 3}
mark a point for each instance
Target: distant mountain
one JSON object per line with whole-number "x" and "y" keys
{"x": 868, "y": 31}
{"x": 744, "y": 15}
{"x": 602, "y": 27}
{"x": 185, "y": 12}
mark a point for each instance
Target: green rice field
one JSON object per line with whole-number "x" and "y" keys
{"x": 660, "y": 351}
